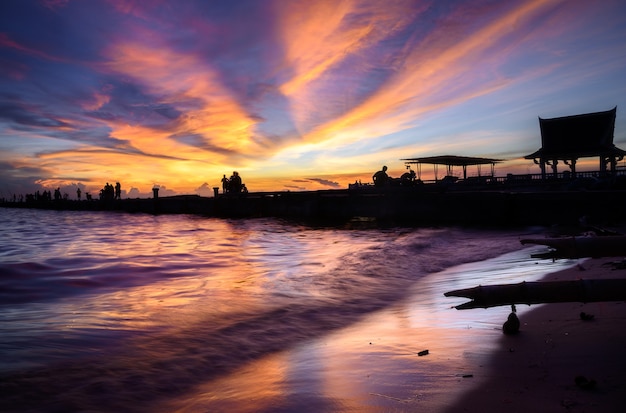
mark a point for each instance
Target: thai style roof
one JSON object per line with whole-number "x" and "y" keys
{"x": 578, "y": 136}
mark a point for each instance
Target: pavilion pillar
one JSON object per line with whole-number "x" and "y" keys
{"x": 555, "y": 171}
{"x": 553, "y": 163}
{"x": 603, "y": 162}
{"x": 608, "y": 162}
{"x": 572, "y": 166}
{"x": 613, "y": 165}
{"x": 542, "y": 165}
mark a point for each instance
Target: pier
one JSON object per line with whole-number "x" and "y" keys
{"x": 460, "y": 203}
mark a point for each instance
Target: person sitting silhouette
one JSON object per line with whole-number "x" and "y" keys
{"x": 381, "y": 178}
{"x": 407, "y": 178}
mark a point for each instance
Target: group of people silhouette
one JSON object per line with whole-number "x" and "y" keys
{"x": 109, "y": 192}
{"x": 40, "y": 196}
{"x": 233, "y": 184}
{"x": 381, "y": 178}
{"x": 46, "y": 196}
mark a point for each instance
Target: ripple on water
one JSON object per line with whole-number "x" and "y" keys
{"x": 121, "y": 306}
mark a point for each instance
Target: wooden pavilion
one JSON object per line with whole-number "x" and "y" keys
{"x": 572, "y": 137}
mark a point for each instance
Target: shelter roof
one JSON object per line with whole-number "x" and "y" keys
{"x": 585, "y": 135}
{"x": 452, "y": 160}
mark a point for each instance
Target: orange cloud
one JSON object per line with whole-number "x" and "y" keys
{"x": 318, "y": 36}
{"x": 436, "y": 73}
{"x": 97, "y": 166}
{"x": 177, "y": 79}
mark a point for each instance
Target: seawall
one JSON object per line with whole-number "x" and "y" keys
{"x": 402, "y": 206}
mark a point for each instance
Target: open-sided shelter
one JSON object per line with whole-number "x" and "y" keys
{"x": 572, "y": 137}
{"x": 450, "y": 161}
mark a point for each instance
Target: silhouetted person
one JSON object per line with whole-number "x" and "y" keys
{"x": 235, "y": 182}
{"x": 118, "y": 191}
{"x": 511, "y": 325}
{"x": 225, "y": 183}
{"x": 107, "y": 193}
{"x": 78, "y": 193}
{"x": 407, "y": 178}
{"x": 381, "y": 178}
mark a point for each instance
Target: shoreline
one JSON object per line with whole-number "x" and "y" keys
{"x": 422, "y": 355}
{"x": 536, "y": 370}
{"x": 419, "y": 354}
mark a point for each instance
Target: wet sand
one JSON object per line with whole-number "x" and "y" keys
{"x": 421, "y": 355}
{"x": 537, "y": 369}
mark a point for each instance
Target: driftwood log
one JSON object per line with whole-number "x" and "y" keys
{"x": 539, "y": 292}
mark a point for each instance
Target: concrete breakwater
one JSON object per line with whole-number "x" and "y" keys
{"x": 403, "y": 206}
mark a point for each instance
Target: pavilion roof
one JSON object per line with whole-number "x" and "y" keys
{"x": 578, "y": 136}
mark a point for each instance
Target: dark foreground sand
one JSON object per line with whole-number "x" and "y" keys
{"x": 536, "y": 370}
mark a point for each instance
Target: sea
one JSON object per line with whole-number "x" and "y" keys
{"x": 117, "y": 312}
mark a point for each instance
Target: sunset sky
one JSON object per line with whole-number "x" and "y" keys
{"x": 293, "y": 94}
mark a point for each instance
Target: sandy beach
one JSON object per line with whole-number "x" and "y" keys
{"x": 422, "y": 355}
{"x": 537, "y": 369}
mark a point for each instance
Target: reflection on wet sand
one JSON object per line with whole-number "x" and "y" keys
{"x": 373, "y": 365}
